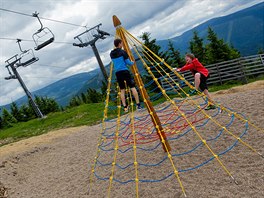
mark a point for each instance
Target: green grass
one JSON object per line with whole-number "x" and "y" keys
{"x": 87, "y": 114}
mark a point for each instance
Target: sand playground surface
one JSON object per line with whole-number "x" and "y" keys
{"x": 58, "y": 164}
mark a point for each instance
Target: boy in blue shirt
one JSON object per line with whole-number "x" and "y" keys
{"x": 121, "y": 60}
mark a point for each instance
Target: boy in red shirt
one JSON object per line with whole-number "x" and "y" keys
{"x": 201, "y": 74}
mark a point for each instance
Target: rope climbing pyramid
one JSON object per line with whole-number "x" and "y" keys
{"x": 152, "y": 145}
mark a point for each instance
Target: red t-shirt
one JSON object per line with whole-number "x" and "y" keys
{"x": 195, "y": 66}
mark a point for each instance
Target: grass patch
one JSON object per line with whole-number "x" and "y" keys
{"x": 87, "y": 114}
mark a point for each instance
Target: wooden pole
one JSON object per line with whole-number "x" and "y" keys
{"x": 154, "y": 117}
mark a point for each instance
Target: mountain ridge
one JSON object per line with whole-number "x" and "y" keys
{"x": 243, "y": 29}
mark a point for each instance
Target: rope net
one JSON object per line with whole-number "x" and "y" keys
{"x": 131, "y": 146}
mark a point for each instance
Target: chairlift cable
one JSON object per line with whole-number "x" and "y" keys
{"x": 13, "y": 39}
{"x": 30, "y": 15}
{"x": 15, "y": 12}
{"x": 43, "y": 65}
{"x": 62, "y": 22}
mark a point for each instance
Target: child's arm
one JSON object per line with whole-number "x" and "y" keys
{"x": 186, "y": 67}
{"x": 126, "y": 59}
{"x": 129, "y": 62}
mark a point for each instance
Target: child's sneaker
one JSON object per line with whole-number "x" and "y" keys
{"x": 139, "y": 107}
{"x": 126, "y": 109}
{"x": 209, "y": 107}
{"x": 193, "y": 92}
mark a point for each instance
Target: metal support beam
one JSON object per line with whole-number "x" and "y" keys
{"x": 16, "y": 75}
{"x": 101, "y": 65}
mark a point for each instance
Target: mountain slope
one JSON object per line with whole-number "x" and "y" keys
{"x": 62, "y": 91}
{"x": 243, "y": 29}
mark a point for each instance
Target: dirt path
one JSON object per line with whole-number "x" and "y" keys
{"x": 56, "y": 164}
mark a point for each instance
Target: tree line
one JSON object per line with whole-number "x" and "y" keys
{"x": 209, "y": 51}
{"x": 25, "y": 112}
{"x": 47, "y": 105}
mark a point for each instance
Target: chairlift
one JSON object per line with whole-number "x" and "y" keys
{"x": 13, "y": 60}
{"x": 43, "y": 36}
{"x": 103, "y": 32}
{"x": 10, "y": 63}
{"x": 27, "y": 57}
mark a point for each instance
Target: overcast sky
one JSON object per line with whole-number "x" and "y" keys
{"x": 164, "y": 19}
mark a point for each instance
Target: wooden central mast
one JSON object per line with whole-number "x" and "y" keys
{"x": 154, "y": 117}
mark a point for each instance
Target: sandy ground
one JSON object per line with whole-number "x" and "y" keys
{"x": 57, "y": 164}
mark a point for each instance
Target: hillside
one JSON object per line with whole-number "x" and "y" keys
{"x": 61, "y": 90}
{"x": 243, "y": 29}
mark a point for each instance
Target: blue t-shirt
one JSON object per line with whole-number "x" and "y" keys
{"x": 120, "y": 59}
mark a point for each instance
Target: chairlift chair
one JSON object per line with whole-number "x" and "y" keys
{"x": 13, "y": 60}
{"x": 43, "y": 36}
{"x": 26, "y": 57}
{"x": 10, "y": 63}
{"x": 103, "y": 32}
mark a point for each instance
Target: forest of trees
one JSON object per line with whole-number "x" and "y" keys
{"x": 26, "y": 112}
{"x": 211, "y": 51}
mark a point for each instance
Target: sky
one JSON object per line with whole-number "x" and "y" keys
{"x": 164, "y": 19}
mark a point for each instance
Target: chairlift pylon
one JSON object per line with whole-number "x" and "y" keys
{"x": 43, "y": 36}
{"x": 27, "y": 57}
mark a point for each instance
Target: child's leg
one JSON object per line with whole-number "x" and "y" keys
{"x": 122, "y": 96}
{"x": 135, "y": 94}
{"x": 197, "y": 80}
{"x": 206, "y": 92}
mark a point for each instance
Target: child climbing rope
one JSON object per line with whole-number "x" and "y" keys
{"x": 201, "y": 74}
{"x": 121, "y": 60}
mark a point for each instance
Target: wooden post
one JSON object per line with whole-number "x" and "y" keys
{"x": 243, "y": 74}
{"x": 219, "y": 74}
{"x": 154, "y": 117}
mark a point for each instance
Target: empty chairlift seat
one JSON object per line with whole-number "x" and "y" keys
{"x": 43, "y": 36}
{"x": 26, "y": 57}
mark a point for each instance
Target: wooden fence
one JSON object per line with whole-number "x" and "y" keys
{"x": 237, "y": 69}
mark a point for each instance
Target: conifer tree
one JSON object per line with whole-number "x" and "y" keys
{"x": 260, "y": 51}
{"x": 74, "y": 102}
{"x": 94, "y": 96}
{"x": 46, "y": 105}
{"x": 197, "y": 47}
{"x": 52, "y": 105}
{"x": 27, "y": 113}
{"x": 84, "y": 98}
{"x": 151, "y": 44}
{"x": 1, "y": 122}
{"x": 217, "y": 50}
{"x": 104, "y": 89}
{"x": 7, "y": 119}
{"x": 175, "y": 59}
{"x": 16, "y": 112}
{"x": 155, "y": 69}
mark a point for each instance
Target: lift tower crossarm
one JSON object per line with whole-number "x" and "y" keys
{"x": 99, "y": 35}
